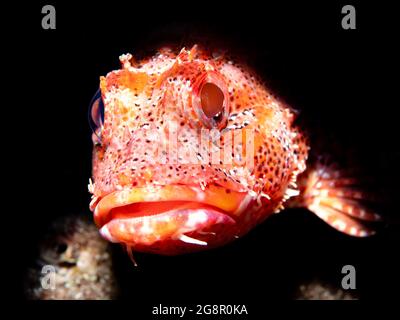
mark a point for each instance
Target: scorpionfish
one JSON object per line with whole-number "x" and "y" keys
{"x": 192, "y": 150}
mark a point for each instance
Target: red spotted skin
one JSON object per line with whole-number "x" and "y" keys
{"x": 161, "y": 94}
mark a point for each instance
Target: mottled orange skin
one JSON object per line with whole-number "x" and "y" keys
{"x": 159, "y": 93}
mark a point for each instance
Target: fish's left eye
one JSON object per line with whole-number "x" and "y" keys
{"x": 210, "y": 100}
{"x": 96, "y": 115}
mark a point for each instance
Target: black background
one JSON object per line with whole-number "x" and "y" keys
{"x": 340, "y": 80}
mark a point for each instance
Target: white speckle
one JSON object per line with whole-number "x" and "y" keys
{"x": 341, "y": 225}
{"x": 326, "y": 175}
{"x": 146, "y": 228}
{"x": 353, "y": 231}
{"x": 363, "y": 233}
{"x": 324, "y": 193}
{"x": 126, "y": 97}
{"x": 337, "y": 206}
{"x": 187, "y": 239}
{"x": 91, "y": 186}
{"x": 253, "y": 194}
{"x": 203, "y": 185}
{"x": 92, "y": 202}
{"x": 196, "y": 218}
{"x": 350, "y": 210}
{"x": 292, "y": 192}
{"x": 321, "y": 213}
{"x": 105, "y": 233}
{"x": 315, "y": 193}
{"x": 265, "y": 195}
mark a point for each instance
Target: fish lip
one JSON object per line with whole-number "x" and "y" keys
{"x": 145, "y": 231}
{"x": 210, "y": 197}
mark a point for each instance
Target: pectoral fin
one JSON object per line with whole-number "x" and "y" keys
{"x": 337, "y": 199}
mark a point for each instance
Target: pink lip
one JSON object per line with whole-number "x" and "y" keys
{"x": 226, "y": 201}
{"x": 139, "y": 217}
{"x": 172, "y": 224}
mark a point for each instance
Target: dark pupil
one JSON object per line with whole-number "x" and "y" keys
{"x": 212, "y": 100}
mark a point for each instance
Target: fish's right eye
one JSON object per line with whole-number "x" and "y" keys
{"x": 96, "y": 115}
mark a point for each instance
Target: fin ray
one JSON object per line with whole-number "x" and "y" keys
{"x": 351, "y": 208}
{"x": 337, "y": 198}
{"x": 341, "y": 222}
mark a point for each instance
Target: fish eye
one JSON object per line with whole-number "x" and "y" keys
{"x": 96, "y": 114}
{"x": 212, "y": 100}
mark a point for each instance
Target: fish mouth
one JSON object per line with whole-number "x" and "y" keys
{"x": 145, "y": 215}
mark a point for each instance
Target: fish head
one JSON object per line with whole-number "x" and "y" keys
{"x": 190, "y": 151}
